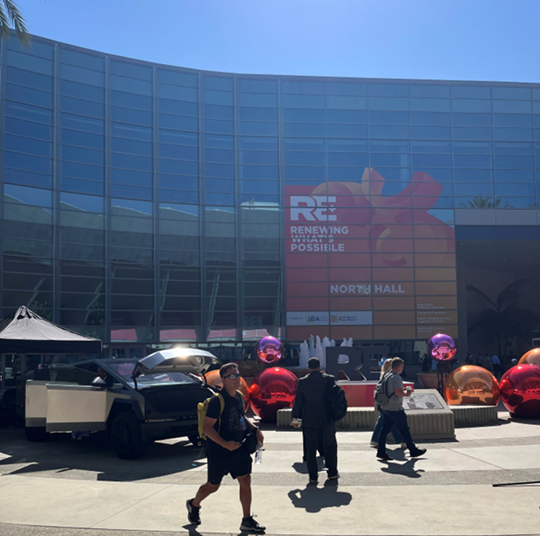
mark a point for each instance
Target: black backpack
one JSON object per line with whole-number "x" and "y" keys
{"x": 337, "y": 402}
{"x": 381, "y": 396}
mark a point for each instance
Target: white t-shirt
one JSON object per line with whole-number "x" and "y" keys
{"x": 395, "y": 403}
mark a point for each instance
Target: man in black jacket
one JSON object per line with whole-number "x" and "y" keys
{"x": 311, "y": 406}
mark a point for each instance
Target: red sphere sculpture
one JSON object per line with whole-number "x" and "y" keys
{"x": 520, "y": 390}
{"x": 271, "y": 390}
{"x": 441, "y": 347}
{"x": 531, "y": 357}
{"x": 213, "y": 378}
{"x": 269, "y": 349}
{"x": 471, "y": 385}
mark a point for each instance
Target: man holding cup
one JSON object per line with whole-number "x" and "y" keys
{"x": 393, "y": 413}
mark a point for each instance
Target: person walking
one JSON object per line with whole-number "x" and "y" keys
{"x": 393, "y": 413}
{"x": 311, "y": 406}
{"x": 487, "y": 363}
{"x": 386, "y": 367}
{"x": 225, "y": 431}
{"x": 497, "y": 367}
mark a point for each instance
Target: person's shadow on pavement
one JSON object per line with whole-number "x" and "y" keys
{"x": 313, "y": 499}
{"x": 407, "y": 468}
{"x": 301, "y": 467}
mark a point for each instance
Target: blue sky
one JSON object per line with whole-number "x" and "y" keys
{"x": 424, "y": 39}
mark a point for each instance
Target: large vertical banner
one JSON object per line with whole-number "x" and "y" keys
{"x": 366, "y": 265}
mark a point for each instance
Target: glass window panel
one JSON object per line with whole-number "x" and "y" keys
{"x": 432, "y": 147}
{"x": 259, "y": 187}
{"x": 513, "y": 148}
{"x": 27, "y": 95}
{"x": 181, "y": 167}
{"x": 130, "y": 85}
{"x": 430, "y": 118}
{"x": 516, "y": 135}
{"x": 131, "y": 177}
{"x": 472, "y": 133}
{"x": 219, "y": 155}
{"x": 516, "y": 162}
{"x": 387, "y": 146}
{"x": 82, "y": 187}
{"x": 307, "y": 144}
{"x": 213, "y": 140}
{"x": 82, "y": 171}
{"x": 303, "y": 101}
{"x": 77, "y": 106}
{"x": 128, "y": 115}
{"x": 536, "y": 107}
{"x": 536, "y": 94}
{"x": 258, "y": 100}
{"x": 218, "y": 83}
{"x": 345, "y": 88}
{"x": 178, "y": 196}
{"x": 258, "y": 86}
{"x": 471, "y": 92}
{"x": 436, "y": 161}
{"x": 134, "y": 162}
{"x": 473, "y": 161}
{"x": 259, "y": 157}
{"x": 430, "y": 105}
{"x": 379, "y": 131}
{"x": 142, "y": 207}
{"x": 306, "y": 158}
{"x": 27, "y": 78}
{"x": 345, "y": 173}
{"x": 388, "y": 90}
{"x": 179, "y": 108}
{"x": 471, "y": 120}
{"x": 514, "y": 190}
{"x": 473, "y": 189}
{"x": 223, "y": 199}
{"x": 27, "y": 162}
{"x": 219, "y": 170}
{"x": 473, "y": 175}
{"x": 217, "y": 126}
{"x": 131, "y": 70}
{"x": 262, "y": 114}
{"x": 178, "y": 93}
{"x": 512, "y": 120}
{"x": 341, "y": 116}
{"x": 180, "y": 182}
{"x": 132, "y": 131}
{"x": 82, "y": 123}
{"x": 516, "y": 107}
{"x": 471, "y": 105}
{"x": 179, "y": 122}
{"x": 88, "y": 61}
{"x": 131, "y": 192}
{"x": 429, "y": 91}
{"x": 388, "y": 118}
{"x": 390, "y": 159}
{"x": 177, "y": 78}
{"x": 25, "y": 111}
{"x": 307, "y": 88}
{"x": 346, "y": 103}
{"x": 317, "y": 173}
{"x": 260, "y": 129}
{"x": 218, "y": 97}
{"x": 180, "y": 138}
{"x": 27, "y": 145}
{"x": 29, "y": 196}
{"x": 36, "y": 49}
{"x": 91, "y": 204}
{"x": 440, "y": 175}
{"x": 259, "y": 172}
{"x": 346, "y": 131}
{"x": 441, "y": 133}
{"x": 84, "y": 76}
{"x": 216, "y": 111}
{"x": 80, "y": 154}
{"x": 178, "y": 152}
{"x": 472, "y": 148}
{"x": 30, "y": 63}
{"x": 27, "y": 178}
{"x": 305, "y": 129}
{"x": 137, "y": 147}
{"x": 218, "y": 185}
{"x": 381, "y": 103}
{"x": 395, "y": 174}
{"x": 262, "y": 200}
{"x": 511, "y": 93}
{"x": 346, "y": 159}
{"x": 74, "y": 89}
{"x": 131, "y": 100}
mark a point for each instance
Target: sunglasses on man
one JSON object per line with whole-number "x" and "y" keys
{"x": 232, "y": 376}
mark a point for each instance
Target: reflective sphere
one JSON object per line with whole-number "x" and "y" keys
{"x": 213, "y": 378}
{"x": 531, "y": 357}
{"x": 441, "y": 347}
{"x": 269, "y": 349}
{"x": 471, "y": 385}
{"x": 520, "y": 390}
{"x": 271, "y": 390}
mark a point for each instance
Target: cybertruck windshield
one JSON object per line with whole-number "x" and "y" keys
{"x": 125, "y": 370}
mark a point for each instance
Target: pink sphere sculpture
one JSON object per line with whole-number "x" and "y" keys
{"x": 441, "y": 347}
{"x": 471, "y": 385}
{"x": 271, "y": 390}
{"x": 520, "y": 390}
{"x": 269, "y": 350}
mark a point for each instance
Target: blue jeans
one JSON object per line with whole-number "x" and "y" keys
{"x": 399, "y": 419}
{"x": 378, "y": 428}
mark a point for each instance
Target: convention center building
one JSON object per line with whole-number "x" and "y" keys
{"x": 150, "y": 205}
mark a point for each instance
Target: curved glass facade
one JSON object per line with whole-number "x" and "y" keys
{"x": 152, "y": 204}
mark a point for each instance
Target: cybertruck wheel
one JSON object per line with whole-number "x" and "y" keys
{"x": 126, "y": 436}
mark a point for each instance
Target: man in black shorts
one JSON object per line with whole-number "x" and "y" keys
{"x": 224, "y": 449}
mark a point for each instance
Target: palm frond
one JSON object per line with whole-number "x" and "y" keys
{"x": 510, "y": 295}
{"x": 10, "y": 11}
{"x": 483, "y": 295}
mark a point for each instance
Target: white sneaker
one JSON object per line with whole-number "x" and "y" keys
{"x": 374, "y": 444}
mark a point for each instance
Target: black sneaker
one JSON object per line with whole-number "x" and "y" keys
{"x": 337, "y": 476}
{"x": 193, "y": 513}
{"x": 249, "y": 524}
{"x": 384, "y": 457}
{"x": 417, "y": 453}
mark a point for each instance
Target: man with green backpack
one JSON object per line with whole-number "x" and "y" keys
{"x": 226, "y": 428}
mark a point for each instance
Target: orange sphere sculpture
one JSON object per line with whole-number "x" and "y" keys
{"x": 531, "y": 357}
{"x": 272, "y": 389}
{"x": 213, "y": 378}
{"x": 472, "y": 385}
{"x": 520, "y": 390}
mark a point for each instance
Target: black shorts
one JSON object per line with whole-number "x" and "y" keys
{"x": 238, "y": 464}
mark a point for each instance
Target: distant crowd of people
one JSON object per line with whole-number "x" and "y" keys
{"x": 490, "y": 362}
